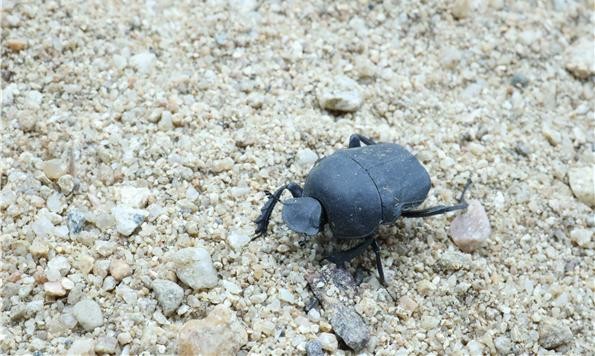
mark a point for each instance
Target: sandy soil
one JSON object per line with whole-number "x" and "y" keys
{"x": 201, "y": 107}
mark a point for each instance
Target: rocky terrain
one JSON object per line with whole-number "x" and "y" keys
{"x": 138, "y": 138}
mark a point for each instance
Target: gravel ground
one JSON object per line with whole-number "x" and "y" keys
{"x": 137, "y": 140}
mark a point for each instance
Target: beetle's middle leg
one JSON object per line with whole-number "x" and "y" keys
{"x": 440, "y": 209}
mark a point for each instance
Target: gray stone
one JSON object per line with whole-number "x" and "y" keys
{"x": 336, "y": 290}
{"x": 75, "y": 221}
{"x": 350, "y": 327}
{"x": 169, "y": 295}
{"x": 314, "y": 348}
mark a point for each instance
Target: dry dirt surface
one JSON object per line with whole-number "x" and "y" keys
{"x": 137, "y": 139}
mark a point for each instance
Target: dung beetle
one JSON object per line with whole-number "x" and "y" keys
{"x": 354, "y": 191}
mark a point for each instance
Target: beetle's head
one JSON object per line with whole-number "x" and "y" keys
{"x": 303, "y": 215}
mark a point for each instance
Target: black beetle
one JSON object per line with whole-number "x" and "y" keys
{"x": 355, "y": 190}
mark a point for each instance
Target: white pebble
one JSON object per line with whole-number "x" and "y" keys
{"x": 237, "y": 240}
{"x": 343, "y": 94}
{"x": 222, "y": 165}
{"x": 306, "y": 157}
{"x": 134, "y": 197}
{"x": 195, "y": 268}
{"x": 88, "y": 313}
{"x": 328, "y": 342}
{"x": 286, "y": 296}
{"x": 169, "y": 295}
{"x": 54, "y": 168}
{"x": 54, "y": 289}
{"x": 581, "y": 237}
{"x": 582, "y": 183}
{"x": 143, "y": 62}
{"x": 128, "y": 219}
{"x": 579, "y": 58}
{"x": 42, "y": 226}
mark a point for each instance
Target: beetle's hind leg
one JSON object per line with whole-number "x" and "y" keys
{"x": 440, "y": 209}
{"x": 356, "y": 140}
{"x": 262, "y": 223}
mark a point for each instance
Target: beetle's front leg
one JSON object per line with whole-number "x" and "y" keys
{"x": 262, "y": 222}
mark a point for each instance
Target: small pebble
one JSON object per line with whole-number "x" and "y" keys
{"x": 128, "y": 219}
{"x": 106, "y": 345}
{"x": 75, "y": 220}
{"x": 54, "y": 289}
{"x": 84, "y": 263}
{"x": 119, "y": 269}
{"x": 58, "y": 264}
{"x": 582, "y": 183}
{"x": 54, "y": 168}
{"x": 328, "y": 342}
{"x": 220, "y": 333}
{"x": 237, "y": 240}
{"x": 343, "y": 95}
{"x": 579, "y": 58}
{"x": 66, "y": 184}
{"x": 82, "y": 347}
{"x": 16, "y": 44}
{"x": 503, "y": 345}
{"x": 314, "y": 348}
{"x": 169, "y": 295}
{"x": 133, "y": 197}
{"x": 306, "y": 157}
{"x": 581, "y": 237}
{"x": 519, "y": 81}
{"x": 195, "y": 268}
{"x": 222, "y": 165}
{"x": 143, "y": 62}
{"x": 109, "y": 283}
{"x": 472, "y": 228}
{"x": 67, "y": 283}
{"x": 39, "y": 248}
{"x": 553, "y": 334}
{"x": 88, "y": 313}
{"x": 124, "y": 338}
{"x": 286, "y": 296}
{"x": 461, "y": 9}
